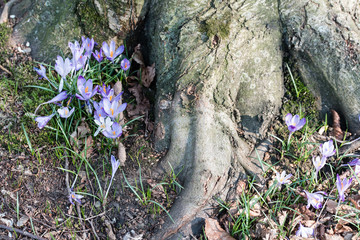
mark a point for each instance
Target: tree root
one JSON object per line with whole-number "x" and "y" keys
{"x": 5, "y": 13}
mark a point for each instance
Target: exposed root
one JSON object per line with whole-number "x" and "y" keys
{"x": 5, "y": 13}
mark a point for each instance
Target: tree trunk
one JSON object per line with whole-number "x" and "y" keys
{"x": 219, "y": 83}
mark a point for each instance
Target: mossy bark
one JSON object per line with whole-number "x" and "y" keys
{"x": 324, "y": 40}
{"x": 220, "y": 67}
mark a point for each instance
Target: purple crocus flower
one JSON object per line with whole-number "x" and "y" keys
{"x": 42, "y": 121}
{"x": 356, "y": 163}
{"x": 62, "y": 68}
{"x": 112, "y": 109}
{"x": 319, "y": 163}
{"x": 105, "y": 91}
{"x": 74, "y": 197}
{"x": 65, "y": 112}
{"x": 114, "y": 165}
{"x": 85, "y": 89}
{"x": 99, "y": 110}
{"x": 327, "y": 149}
{"x": 110, "y": 51}
{"x": 282, "y": 178}
{"x": 116, "y": 131}
{"x": 98, "y": 55}
{"x": 315, "y": 199}
{"x": 41, "y": 72}
{"x": 294, "y": 123}
{"x": 78, "y": 61}
{"x": 58, "y": 98}
{"x": 88, "y": 44}
{"x": 104, "y": 124}
{"x": 342, "y": 186}
{"x": 125, "y": 64}
{"x": 305, "y": 232}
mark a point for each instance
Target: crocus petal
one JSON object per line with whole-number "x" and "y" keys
{"x": 105, "y": 48}
{"x": 114, "y": 165}
{"x": 58, "y": 98}
{"x": 42, "y": 121}
{"x": 288, "y": 118}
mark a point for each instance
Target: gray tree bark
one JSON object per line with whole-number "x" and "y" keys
{"x": 220, "y": 80}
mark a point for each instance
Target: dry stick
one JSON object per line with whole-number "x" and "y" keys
{"x": 21, "y": 232}
{"x": 5, "y": 13}
{"x": 5, "y": 70}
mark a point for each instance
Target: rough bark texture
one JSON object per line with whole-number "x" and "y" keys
{"x": 48, "y": 25}
{"x": 324, "y": 38}
{"x": 219, "y": 73}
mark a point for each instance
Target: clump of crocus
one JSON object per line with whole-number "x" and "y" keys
{"x": 305, "y": 232}
{"x": 315, "y": 199}
{"x": 327, "y": 149}
{"x": 342, "y": 186}
{"x": 294, "y": 123}
{"x": 282, "y": 178}
{"x": 319, "y": 163}
{"x": 74, "y": 197}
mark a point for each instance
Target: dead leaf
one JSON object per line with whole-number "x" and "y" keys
{"x": 331, "y": 206}
{"x": 340, "y": 228}
{"x": 147, "y": 75}
{"x": 137, "y": 55}
{"x": 121, "y": 154}
{"x": 88, "y": 149}
{"x": 355, "y": 200}
{"x": 336, "y": 132}
{"x": 213, "y": 230}
{"x": 117, "y": 90}
{"x": 333, "y": 237}
{"x": 110, "y": 233}
{"x": 282, "y": 217}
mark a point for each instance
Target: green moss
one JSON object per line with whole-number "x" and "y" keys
{"x": 216, "y": 25}
{"x": 4, "y": 35}
{"x": 92, "y": 23}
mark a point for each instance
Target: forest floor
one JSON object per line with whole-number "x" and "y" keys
{"x": 35, "y": 170}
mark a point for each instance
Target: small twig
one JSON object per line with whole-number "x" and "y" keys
{"x": 93, "y": 229}
{"x": 5, "y": 70}
{"x": 21, "y": 232}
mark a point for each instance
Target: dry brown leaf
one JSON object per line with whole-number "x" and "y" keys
{"x": 147, "y": 75}
{"x": 355, "y": 200}
{"x": 142, "y": 106}
{"x": 88, "y": 146}
{"x": 341, "y": 228}
{"x": 331, "y": 206}
{"x": 121, "y": 154}
{"x": 333, "y": 237}
{"x": 137, "y": 55}
{"x": 336, "y": 132}
{"x": 117, "y": 90}
{"x": 213, "y": 231}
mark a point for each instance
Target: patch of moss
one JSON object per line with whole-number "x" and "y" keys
{"x": 216, "y": 25}
{"x": 92, "y": 23}
{"x": 4, "y": 35}
{"x": 303, "y": 104}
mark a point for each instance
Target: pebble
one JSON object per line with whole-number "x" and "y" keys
{"x": 12, "y": 16}
{"x": 27, "y": 44}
